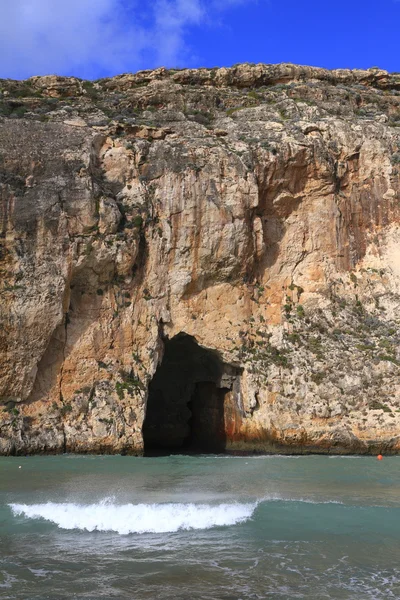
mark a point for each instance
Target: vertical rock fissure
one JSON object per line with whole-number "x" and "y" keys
{"x": 63, "y": 356}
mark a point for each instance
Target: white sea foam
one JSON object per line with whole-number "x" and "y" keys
{"x": 278, "y": 498}
{"x": 136, "y": 518}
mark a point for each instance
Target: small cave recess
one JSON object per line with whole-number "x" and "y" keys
{"x": 192, "y": 400}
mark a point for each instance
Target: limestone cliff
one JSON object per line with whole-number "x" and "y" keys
{"x": 218, "y": 248}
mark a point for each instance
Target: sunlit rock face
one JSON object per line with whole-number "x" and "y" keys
{"x": 219, "y": 249}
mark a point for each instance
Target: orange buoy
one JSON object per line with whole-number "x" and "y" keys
{"x": 379, "y": 457}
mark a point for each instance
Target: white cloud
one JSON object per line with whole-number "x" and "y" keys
{"x": 171, "y": 19}
{"x": 92, "y": 36}
{"x": 39, "y": 36}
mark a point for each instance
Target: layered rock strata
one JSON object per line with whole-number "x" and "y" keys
{"x": 242, "y": 224}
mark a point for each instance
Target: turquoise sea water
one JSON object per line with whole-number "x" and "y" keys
{"x": 202, "y": 527}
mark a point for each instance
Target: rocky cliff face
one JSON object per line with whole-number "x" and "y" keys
{"x": 201, "y": 260}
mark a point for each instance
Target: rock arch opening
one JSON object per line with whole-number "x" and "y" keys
{"x": 189, "y": 400}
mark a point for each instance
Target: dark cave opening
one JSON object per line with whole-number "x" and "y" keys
{"x": 186, "y": 406}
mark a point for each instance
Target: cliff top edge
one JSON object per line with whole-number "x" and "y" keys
{"x": 242, "y": 75}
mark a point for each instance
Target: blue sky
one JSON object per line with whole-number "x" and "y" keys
{"x": 98, "y": 38}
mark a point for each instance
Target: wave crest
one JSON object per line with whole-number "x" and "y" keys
{"x": 136, "y": 518}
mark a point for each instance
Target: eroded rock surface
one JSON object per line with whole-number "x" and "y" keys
{"x": 254, "y": 210}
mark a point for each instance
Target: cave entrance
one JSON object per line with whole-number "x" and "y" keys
{"x": 187, "y": 400}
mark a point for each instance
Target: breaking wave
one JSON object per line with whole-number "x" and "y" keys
{"x": 136, "y": 518}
